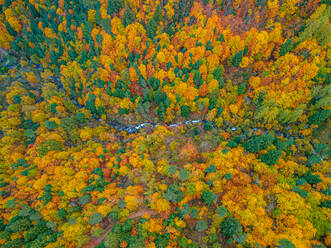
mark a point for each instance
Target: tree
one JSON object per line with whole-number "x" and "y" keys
{"x": 68, "y": 124}
{"x": 242, "y": 88}
{"x": 319, "y": 26}
{"x": 312, "y": 179}
{"x": 201, "y": 226}
{"x": 95, "y": 218}
{"x": 221, "y": 211}
{"x": 319, "y": 117}
{"x": 114, "y": 6}
{"x": 205, "y": 2}
{"x": 51, "y": 124}
{"x": 155, "y": 83}
{"x": 14, "y": 243}
{"x": 271, "y": 157}
{"x": 81, "y": 118}
{"x": 33, "y": 233}
{"x": 236, "y": 59}
{"x": 20, "y": 163}
{"x": 259, "y": 143}
{"x": 158, "y": 96}
{"x": 90, "y": 104}
{"x": 286, "y": 47}
{"x": 284, "y": 243}
{"x": 129, "y": 16}
{"x": 230, "y": 227}
{"x": 18, "y": 224}
{"x": 174, "y": 193}
{"x": 209, "y": 197}
{"x": 162, "y": 240}
{"x": 53, "y": 107}
{"x": 157, "y": 14}
{"x": 198, "y": 81}
{"x": 151, "y": 28}
{"x": 112, "y": 239}
{"x": 62, "y": 213}
{"x": 185, "y": 111}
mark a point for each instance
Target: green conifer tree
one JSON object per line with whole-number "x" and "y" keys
{"x": 129, "y": 16}
{"x": 151, "y": 28}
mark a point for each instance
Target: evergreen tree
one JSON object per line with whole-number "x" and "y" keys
{"x": 319, "y": 117}
{"x": 286, "y": 47}
{"x": 114, "y": 6}
{"x": 185, "y": 111}
{"x": 129, "y": 16}
{"x": 157, "y": 14}
{"x": 205, "y": 2}
{"x": 271, "y": 157}
{"x": 242, "y": 88}
{"x": 236, "y": 60}
{"x": 151, "y": 28}
{"x": 318, "y": 27}
{"x": 230, "y": 227}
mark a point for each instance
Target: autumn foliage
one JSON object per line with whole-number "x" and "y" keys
{"x": 235, "y": 101}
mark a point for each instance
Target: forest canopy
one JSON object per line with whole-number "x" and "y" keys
{"x": 166, "y": 123}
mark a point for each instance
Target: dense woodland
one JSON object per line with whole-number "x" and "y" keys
{"x": 252, "y": 172}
